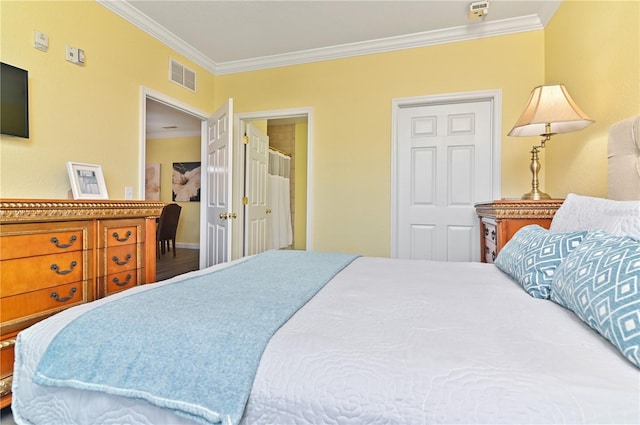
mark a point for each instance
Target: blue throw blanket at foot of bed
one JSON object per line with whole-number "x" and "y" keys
{"x": 194, "y": 345}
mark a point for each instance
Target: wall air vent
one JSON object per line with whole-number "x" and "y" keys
{"x": 180, "y": 74}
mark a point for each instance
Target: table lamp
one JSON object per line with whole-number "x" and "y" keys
{"x": 550, "y": 110}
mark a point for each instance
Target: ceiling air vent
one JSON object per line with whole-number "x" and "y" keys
{"x": 180, "y": 74}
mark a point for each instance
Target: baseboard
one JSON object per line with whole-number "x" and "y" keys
{"x": 187, "y": 245}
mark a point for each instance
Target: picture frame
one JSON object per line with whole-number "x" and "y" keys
{"x": 185, "y": 181}
{"x": 152, "y": 182}
{"x": 87, "y": 181}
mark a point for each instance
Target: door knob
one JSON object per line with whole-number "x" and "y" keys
{"x": 268, "y": 211}
{"x": 227, "y": 216}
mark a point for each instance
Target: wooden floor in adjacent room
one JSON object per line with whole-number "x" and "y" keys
{"x": 186, "y": 260}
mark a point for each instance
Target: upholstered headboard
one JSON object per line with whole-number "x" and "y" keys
{"x": 624, "y": 160}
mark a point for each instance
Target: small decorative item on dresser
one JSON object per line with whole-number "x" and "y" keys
{"x": 501, "y": 219}
{"x": 87, "y": 181}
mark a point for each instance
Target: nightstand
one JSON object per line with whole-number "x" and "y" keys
{"x": 501, "y": 219}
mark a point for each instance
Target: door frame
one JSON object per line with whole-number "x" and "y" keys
{"x": 147, "y": 93}
{"x": 238, "y": 159}
{"x": 238, "y": 163}
{"x": 493, "y": 96}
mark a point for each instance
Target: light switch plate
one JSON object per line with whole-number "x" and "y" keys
{"x": 40, "y": 41}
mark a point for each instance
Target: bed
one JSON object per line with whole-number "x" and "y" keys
{"x": 377, "y": 341}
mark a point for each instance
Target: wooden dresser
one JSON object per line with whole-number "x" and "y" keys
{"x": 55, "y": 254}
{"x": 501, "y": 219}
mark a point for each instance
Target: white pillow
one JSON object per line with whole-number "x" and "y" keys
{"x": 579, "y": 213}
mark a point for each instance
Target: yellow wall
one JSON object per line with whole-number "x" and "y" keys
{"x": 85, "y": 114}
{"x": 594, "y": 49}
{"x": 351, "y": 101}
{"x": 166, "y": 152}
{"x": 91, "y": 113}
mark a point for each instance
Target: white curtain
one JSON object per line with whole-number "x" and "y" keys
{"x": 280, "y": 200}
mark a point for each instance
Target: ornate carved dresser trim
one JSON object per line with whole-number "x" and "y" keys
{"x": 517, "y": 209}
{"x": 28, "y": 210}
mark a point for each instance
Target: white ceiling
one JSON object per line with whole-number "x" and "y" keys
{"x": 163, "y": 122}
{"x": 241, "y": 35}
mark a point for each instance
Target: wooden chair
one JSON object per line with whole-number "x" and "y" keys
{"x": 167, "y": 228}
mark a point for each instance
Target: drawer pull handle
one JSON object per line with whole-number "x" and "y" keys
{"x": 57, "y": 243}
{"x": 121, "y": 263}
{"x": 493, "y": 235}
{"x": 493, "y": 256}
{"x": 124, "y": 239}
{"x": 486, "y": 231}
{"x": 56, "y": 268}
{"x": 125, "y": 283}
{"x": 55, "y": 296}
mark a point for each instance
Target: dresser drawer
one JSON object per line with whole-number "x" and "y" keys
{"x": 21, "y": 240}
{"x": 490, "y": 231}
{"x": 6, "y": 362}
{"x": 23, "y": 307}
{"x": 117, "y": 282}
{"x": 118, "y": 259}
{"x": 45, "y": 271}
{"x": 6, "y": 354}
{"x": 113, "y": 233}
{"x": 121, "y": 236}
{"x": 490, "y": 252}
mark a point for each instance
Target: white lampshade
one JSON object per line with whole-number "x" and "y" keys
{"x": 550, "y": 105}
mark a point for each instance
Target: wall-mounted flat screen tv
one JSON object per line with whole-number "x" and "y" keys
{"x": 14, "y": 101}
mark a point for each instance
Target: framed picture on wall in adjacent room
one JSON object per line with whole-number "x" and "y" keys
{"x": 186, "y": 181}
{"x": 87, "y": 181}
{"x": 152, "y": 182}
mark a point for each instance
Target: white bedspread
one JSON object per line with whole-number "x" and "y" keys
{"x": 396, "y": 342}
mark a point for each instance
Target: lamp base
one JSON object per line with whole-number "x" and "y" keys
{"x": 535, "y": 195}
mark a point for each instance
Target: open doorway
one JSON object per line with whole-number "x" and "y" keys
{"x": 170, "y": 141}
{"x": 300, "y": 118}
{"x": 275, "y": 217}
{"x": 289, "y": 133}
{"x": 172, "y": 166}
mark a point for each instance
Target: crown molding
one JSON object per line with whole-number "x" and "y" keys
{"x": 154, "y": 29}
{"x": 409, "y": 41}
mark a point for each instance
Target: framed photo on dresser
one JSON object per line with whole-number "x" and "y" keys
{"x": 87, "y": 181}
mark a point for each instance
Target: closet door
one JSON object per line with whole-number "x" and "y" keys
{"x": 444, "y": 168}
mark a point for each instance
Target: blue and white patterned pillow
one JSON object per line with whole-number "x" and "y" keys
{"x": 532, "y": 255}
{"x": 600, "y": 283}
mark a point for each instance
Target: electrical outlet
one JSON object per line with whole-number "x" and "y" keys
{"x": 72, "y": 54}
{"x": 128, "y": 192}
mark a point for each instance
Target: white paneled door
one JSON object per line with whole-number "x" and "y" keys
{"x": 256, "y": 208}
{"x": 444, "y": 166}
{"x": 217, "y": 203}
